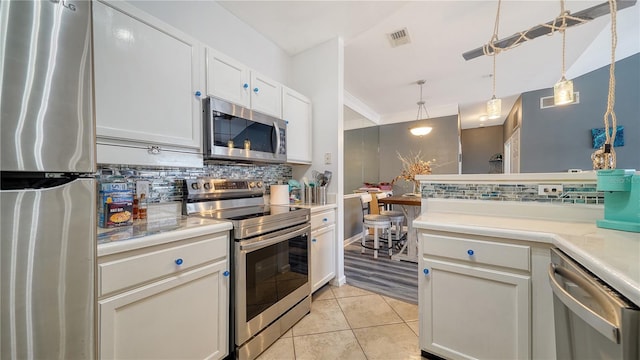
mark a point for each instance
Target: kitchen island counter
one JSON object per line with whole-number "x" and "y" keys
{"x": 613, "y": 256}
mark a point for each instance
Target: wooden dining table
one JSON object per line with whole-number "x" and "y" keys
{"x": 411, "y": 206}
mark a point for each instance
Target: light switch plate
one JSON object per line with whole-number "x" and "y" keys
{"x": 327, "y": 158}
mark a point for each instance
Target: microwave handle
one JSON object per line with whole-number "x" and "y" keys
{"x": 277, "y": 130}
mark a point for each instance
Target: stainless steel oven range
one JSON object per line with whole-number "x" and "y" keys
{"x": 270, "y": 255}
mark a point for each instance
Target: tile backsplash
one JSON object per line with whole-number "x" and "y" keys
{"x": 572, "y": 193}
{"x": 165, "y": 184}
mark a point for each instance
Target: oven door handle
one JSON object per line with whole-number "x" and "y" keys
{"x": 610, "y": 330}
{"x": 250, "y": 246}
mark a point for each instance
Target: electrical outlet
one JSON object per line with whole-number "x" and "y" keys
{"x": 327, "y": 158}
{"x": 550, "y": 189}
{"x": 142, "y": 187}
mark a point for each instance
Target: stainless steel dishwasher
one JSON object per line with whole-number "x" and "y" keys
{"x": 592, "y": 321}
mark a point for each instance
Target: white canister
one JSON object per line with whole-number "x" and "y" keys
{"x": 279, "y": 195}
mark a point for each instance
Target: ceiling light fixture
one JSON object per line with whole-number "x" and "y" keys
{"x": 563, "y": 89}
{"x": 494, "y": 105}
{"x": 547, "y": 28}
{"x": 421, "y": 130}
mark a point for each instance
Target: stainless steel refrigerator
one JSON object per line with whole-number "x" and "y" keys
{"x": 47, "y": 188}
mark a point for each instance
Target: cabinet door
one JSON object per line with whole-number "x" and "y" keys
{"x": 181, "y": 317}
{"x": 227, "y": 78}
{"x": 296, "y": 111}
{"x": 473, "y": 313}
{"x": 266, "y": 95}
{"x": 323, "y": 264}
{"x": 147, "y": 75}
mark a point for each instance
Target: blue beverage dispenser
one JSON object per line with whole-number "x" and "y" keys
{"x": 621, "y": 189}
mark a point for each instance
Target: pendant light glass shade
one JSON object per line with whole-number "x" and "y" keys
{"x": 563, "y": 92}
{"x": 420, "y": 130}
{"x": 494, "y": 108}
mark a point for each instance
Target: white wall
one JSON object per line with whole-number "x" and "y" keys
{"x": 319, "y": 74}
{"x": 598, "y": 54}
{"x": 210, "y": 23}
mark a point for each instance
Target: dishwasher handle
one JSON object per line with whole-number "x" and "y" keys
{"x": 610, "y": 330}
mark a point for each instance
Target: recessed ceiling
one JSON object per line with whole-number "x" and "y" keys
{"x": 384, "y": 77}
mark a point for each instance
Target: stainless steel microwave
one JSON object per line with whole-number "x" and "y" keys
{"x": 232, "y": 132}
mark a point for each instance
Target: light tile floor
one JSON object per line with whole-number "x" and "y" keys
{"x": 350, "y": 323}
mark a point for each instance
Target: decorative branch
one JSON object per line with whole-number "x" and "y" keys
{"x": 411, "y": 166}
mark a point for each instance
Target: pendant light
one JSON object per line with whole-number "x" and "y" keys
{"x": 494, "y": 105}
{"x": 563, "y": 89}
{"x": 421, "y": 130}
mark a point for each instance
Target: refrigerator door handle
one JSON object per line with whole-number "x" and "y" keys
{"x": 608, "y": 329}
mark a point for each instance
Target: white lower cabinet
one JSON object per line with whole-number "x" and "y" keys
{"x": 323, "y": 248}
{"x": 323, "y": 265}
{"x": 476, "y": 301}
{"x": 183, "y": 314}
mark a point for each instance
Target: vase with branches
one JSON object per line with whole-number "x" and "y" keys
{"x": 412, "y": 165}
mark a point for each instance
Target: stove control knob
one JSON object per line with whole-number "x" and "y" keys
{"x": 195, "y": 186}
{"x": 252, "y": 185}
{"x": 207, "y": 186}
{"x": 259, "y": 184}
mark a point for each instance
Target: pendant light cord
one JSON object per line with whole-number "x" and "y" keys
{"x": 491, "y": 48}
{"x": 611, "y": 98}
{"x": 563, "y": 28}
{"x": 421, "y": 103}
{"x": 605, "y": 157}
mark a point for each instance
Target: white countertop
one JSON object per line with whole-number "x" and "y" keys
{"x": 315, "y": 207}
{"x": 115, "y": 240}
{"x": 613, "y": 256}
{"x": 509, "y": 178}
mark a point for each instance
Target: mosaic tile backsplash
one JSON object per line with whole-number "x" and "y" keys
{"x": 165, "y": 184}
{"x": 572, "y": 193}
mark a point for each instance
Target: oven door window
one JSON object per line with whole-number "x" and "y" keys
{"x": 238, "y": 133}
{"x": 274, "y": 272}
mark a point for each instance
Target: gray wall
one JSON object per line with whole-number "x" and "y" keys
{"x": 361, "y": 157}
{"x": 478, "y": 146}
{"x": 352, "y": 217}
{"x": 441, "y": 144}
{"x": 371, "y": 154}
{"x": 559, "y": 138}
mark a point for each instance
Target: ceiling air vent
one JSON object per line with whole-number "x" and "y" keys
{"x": 400, "y": 37}
{"x": 547, "y": 101}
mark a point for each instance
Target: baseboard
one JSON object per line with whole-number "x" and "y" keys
{"x": 351, "y": 240}
{"x": 338, "y": 282}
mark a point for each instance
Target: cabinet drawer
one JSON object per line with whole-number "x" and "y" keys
{"x": 477, "y": 251}
{"x": 322, "y": 219}
{"x": 128, "y": 271}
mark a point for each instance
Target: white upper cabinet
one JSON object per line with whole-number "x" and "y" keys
{"x": 231, "y": 80}
{"x": 148, "y": 81}
{"x": 296, "y": 111}
{"x": 227, "y": 78}
{"x": 266, "y": 95}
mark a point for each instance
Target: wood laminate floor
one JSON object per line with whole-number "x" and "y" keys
{"x": 392, "y": 278}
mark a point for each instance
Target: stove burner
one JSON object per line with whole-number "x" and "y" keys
{"x": 242, "y": 203}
